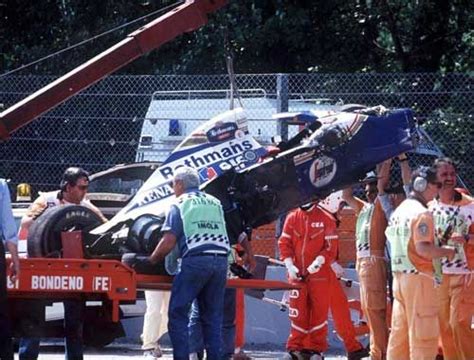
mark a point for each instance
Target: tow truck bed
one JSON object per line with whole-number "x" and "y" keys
{"x": 107, "y": 280}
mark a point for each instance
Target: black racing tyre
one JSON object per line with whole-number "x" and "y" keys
{"x": 145, "y": 233}
{"x": 44, "y": 236}
{"x": 352, "y": 107}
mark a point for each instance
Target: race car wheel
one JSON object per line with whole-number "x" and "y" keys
{"x": 44, "y": 237}
{"x": 145, "y": 233}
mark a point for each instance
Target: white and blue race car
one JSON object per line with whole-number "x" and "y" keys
{"x": 255, "y": 184}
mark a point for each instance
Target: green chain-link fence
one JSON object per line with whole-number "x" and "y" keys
{"x": 131, "y": 118}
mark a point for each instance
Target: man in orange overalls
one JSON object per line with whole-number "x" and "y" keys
{"x": 372, "y": 218}
{"x": 453, "y": 214}
{"x": 415, "y": 258}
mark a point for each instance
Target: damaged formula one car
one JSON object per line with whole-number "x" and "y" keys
{"x": 255, "y": 185}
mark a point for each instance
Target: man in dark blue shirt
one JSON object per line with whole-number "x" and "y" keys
{"x": 195, "y": 224}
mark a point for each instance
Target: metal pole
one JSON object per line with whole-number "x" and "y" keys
{"x": 282, "y": 130}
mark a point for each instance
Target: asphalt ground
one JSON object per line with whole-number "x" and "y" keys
{"x": 133, "y": 351}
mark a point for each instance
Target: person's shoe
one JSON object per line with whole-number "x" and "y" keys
{"x": 358, "y": 354}
{"x": 296, "y": 355}
{"x": 153, "y": 354}
{"x": 312, "y": 355}
{"x": 197, "y": 355}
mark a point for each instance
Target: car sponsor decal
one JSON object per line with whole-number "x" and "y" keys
{"x": 156, "y": 194}
{"x": 304, "y": 157}
{"x": 226, "y": 152}
{"x": 221, "y": 132}
{"x": 250, "y": 156}
{"x": 210, "y": 161}
{"x": 207, "y": 173}
{"x": 322, "y": 171}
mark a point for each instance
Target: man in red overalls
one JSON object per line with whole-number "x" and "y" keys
{"x": 307, "y": 251}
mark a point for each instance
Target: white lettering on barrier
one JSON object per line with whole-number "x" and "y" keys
{"x": 11, "y": 285}
{"x": 101, "y": 283}
{"x": 43, "y": 282}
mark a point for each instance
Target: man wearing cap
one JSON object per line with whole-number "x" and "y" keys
{"x": 195, "y": 223}
{"x": 73, "y": 190}
{"x": 415, "y": 326}
{"x": 370, "y": 252}
{"x": 453, "y": 214}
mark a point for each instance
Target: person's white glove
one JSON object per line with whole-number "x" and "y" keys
{"x": 316, "y": 264}
{"x": 291, "y": 268}
{"x": 338, "y": 269}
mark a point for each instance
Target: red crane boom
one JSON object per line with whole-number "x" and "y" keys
{"x": 185, "y": 18}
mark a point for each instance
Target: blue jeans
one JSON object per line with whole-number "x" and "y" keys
{"x": 73, "y": 328}
{"x": 196, "y": 342}
{"x": 29, "y": 348}
{"x": 6, "y": 344}
{"x": 201, "y": 278}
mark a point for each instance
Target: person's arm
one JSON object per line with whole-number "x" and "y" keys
{"x": 470, "y": 237}
{"x": 96, "y": 210}
{"x": 460, "y": 239}
{"x": 423, "y": 237}
{"x": 286, "y": 247}
{"x": 164, "y": 247}
{"x": 331, "y": 241}
{"x": 386, "y": 205}
{"x": 405, "y": 168}
{"x": 383, "y": 176}
{"x": 382, "y": 183}
{"x": 406, "y": 172}
{"x": 35, "y": 210}
{"x": 172, "y": 228}
{"x": 9, "y": 230}
{"x": 431, "y": 251}
{"x": 351, "y": 200}
{"x": 285, "y": 242}
{"x": 329, "y": 252}
{"x": 249, "y": 255}
{"x": 15, "y": 265}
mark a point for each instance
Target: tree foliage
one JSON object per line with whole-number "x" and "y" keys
{"x": 263, "y": 35}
